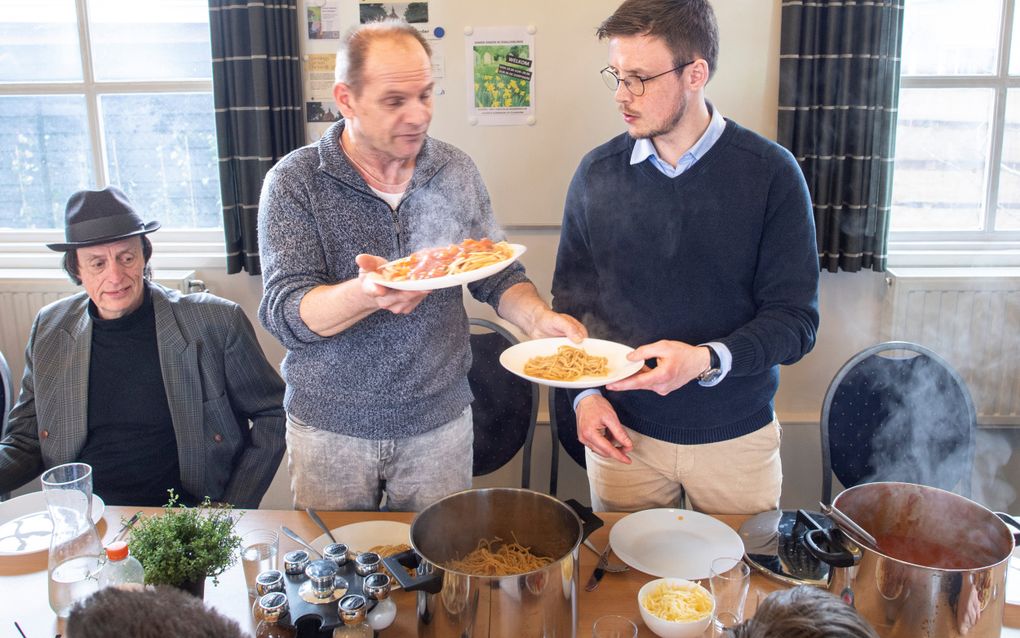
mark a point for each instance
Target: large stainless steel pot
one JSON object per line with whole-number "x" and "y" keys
{"x": 537, "y": 603}
{"x": 939, "y": 569}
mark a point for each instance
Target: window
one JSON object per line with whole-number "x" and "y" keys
{"x": 98, "y": 92}
{"x": 957, "y": 166}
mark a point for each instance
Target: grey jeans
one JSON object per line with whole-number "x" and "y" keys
{"x": 330, "y": 471}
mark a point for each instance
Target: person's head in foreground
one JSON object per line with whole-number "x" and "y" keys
{"x": 150, "y": 612}
{"x": 804, "y": 612}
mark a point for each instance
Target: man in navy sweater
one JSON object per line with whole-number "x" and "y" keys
{"x": 692, "y": 239}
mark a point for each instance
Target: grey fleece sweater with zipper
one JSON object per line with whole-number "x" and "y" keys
{"x": 387, "y": 376}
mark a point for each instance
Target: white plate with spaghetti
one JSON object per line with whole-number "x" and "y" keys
{"x": 674, "y": 543}
{"x": 25, "y": 525}
{"x": 449, "y": 281}
{"x": 384, "y": 537}
{"x": 617, "y": 366}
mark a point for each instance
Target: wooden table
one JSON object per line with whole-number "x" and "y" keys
{"x": 23, "y": 579}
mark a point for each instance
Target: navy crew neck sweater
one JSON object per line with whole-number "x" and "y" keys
{"x": 723, "y": 252}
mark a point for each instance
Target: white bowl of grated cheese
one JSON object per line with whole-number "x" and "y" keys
{"x": 675, "y": 607}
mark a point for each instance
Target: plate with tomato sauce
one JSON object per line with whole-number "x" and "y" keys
{"x": 425, "y": 269}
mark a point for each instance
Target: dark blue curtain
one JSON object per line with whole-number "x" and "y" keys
{"x": 839, "y": 83}
{"x": 257, "y": 95}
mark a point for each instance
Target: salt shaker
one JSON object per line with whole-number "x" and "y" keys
{"x": 352, "y": 614}
{"x": 336, "y": 552}
{"x": 266, "y": 583}
{"x": 294, "y": 562}
{"x": 273, "y": 608}
{"x": 377, "y": 587}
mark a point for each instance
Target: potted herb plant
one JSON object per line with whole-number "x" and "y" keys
{"x": 184, "y": 545}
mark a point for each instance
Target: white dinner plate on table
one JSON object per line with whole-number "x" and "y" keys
{"x": 363, "y": 536}
{"x": 449, "y": 281}
{"x": 514, "y": 358}
{"x": 25, "y": 525}
{"x": 674, "y": 543}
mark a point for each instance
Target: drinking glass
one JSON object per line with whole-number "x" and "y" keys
{"x": 259, "y": 549}
{"x": 76, "y": 555}
{"x": 730, "y": 579}
{"x": 614, "y": 627}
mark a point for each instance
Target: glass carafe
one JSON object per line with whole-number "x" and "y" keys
{"x": 75, "y": 551}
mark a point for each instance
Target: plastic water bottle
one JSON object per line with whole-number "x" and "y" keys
{"x": 121, "y": 567}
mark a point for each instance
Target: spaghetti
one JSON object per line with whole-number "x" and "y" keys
{"x": 568, "y": 364}
{"x": 509, "y": 559}
{"x": 470, "y": 254}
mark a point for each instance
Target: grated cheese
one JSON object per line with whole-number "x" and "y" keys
{"x": 678, "y": 603}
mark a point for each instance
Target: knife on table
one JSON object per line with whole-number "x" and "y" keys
{"x": 600, "y": 569}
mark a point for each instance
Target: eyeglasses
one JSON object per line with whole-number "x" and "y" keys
{"x": 634, "y": 83}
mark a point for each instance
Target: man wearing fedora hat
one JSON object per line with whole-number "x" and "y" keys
{"x": 155, "y": 389}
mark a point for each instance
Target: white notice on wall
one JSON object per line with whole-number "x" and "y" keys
{"x": 323, "y": 19}
{"x": 500, "y": 89}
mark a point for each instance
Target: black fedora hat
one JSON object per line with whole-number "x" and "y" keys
{"x": 100, "y": 217}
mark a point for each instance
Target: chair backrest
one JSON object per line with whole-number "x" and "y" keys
{"x": 6, "y": 400}
{"x": 897, "y": 411}
{"x": 505, "y": 408}
{"x": 563, "y": 428}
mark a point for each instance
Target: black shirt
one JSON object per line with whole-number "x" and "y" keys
{"x": 130, "y": 444}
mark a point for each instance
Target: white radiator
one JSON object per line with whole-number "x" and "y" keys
{"x": 23, "y": 292}
{"x": 972, "y": 318}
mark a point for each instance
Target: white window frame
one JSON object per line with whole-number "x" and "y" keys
{"x": 177, "y": 247}
{"x": 986, "y": 247}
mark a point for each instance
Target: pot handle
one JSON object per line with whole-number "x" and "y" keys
{"x": 1009, "y": 520}
{"x": 818, "y": 537}
{"x": 431, "y": 582}
{"x": 589, "y": 522}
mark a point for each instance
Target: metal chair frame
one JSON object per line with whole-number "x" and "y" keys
{"x": 7, "y": 388}
{"x": 852, "y": 363}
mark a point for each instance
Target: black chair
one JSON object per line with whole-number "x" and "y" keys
{"x": 898, "y": 412}
{"x": 563, "y": 428}
{"x": 505, "y": 408}
{"x": 6, "y": 400}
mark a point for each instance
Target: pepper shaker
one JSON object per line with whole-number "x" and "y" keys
{"x": 377, "y": 587}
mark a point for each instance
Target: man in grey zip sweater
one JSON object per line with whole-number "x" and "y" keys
{"x": 377, "y": 393}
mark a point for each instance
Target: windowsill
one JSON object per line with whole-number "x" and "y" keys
{"x": 172, "y": 249}
{"x": 946, "y": 254}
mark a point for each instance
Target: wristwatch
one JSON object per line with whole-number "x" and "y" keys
{"x": 714, "y": 369}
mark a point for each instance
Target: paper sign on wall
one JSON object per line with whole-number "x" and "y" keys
{"x": 323, "y": 20}
{"x": 320, "y": 106}
{"x": 500, "y": 86}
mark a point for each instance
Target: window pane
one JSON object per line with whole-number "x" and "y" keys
{"x": 942, "y": 142}
{"x": 1008, "y": 215}
{"x": 44, "y": 157}
{"x": 951, "y": 37}
{"x": 39, "y": 41}
{"x": 161, "y": 149}
{"x": 150, "y": 39}
{"x": 1014, "y": 50}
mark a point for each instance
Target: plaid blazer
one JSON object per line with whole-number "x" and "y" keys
{"x": 226, "y": 400}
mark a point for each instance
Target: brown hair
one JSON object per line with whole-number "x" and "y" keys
{"x": 688, "y": 27}
{"x": 147, "y": 613}
{"x": 350, "y": 56}
{"x": 72, "y": 267}
{"x": 803, "y": 612}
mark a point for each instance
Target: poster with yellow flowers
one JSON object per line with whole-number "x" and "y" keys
{"x": 501, "y": 83}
